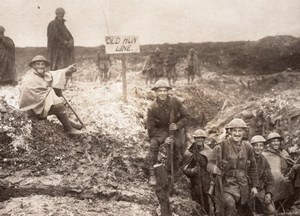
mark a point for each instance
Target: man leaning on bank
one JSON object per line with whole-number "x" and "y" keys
{"x": 38, "y": 97}
{"x": 166, "y": 115}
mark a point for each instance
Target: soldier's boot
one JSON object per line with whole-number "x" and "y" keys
{"x": 60, "y": 111}
{"x": 75, "y": 125}
{"x": 152, "y": 179}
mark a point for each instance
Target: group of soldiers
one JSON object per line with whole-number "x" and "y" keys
{"x": 241, "y": 175}
{"x": 158, "y": 66}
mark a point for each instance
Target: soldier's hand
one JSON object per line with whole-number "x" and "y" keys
{"x": 254, "y": 191}
{"x": 216, "y": 170}
{"x": 268, "y": 198}
{"x": 296, "y": 167}
{"x": 173, "y": 127}
{"x": 169, "y": 140}
{"x": 194, "y": 170}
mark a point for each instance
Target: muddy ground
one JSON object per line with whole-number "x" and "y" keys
{"x": 104, "y": 171}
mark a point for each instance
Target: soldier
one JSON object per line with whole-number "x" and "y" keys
{"x": 234, "y": 160}
{"x": 7, "y": 59}
{"x": 194, "y": 166}
{"x": 170, "y": 62}
{"x": 38, "y": 97}
{"x": 165, "y": 115}
{"x": 280, "y": 162}
{"x": 103, "y": 63}
{"x": 192, "y": 65}
{"x": 60, "y": 43}
{"x": 265, "y": 177}
{"x": 153, "y": 68}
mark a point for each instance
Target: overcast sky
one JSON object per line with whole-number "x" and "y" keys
{"x": 154, "y": 21}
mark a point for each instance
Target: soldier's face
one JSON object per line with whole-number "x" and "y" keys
{"x": 237, "y": 134}
{"x": 199, "y": 142}
{"x": 258, "y": 148}
{"x": 60, "y": 15}
{"x": 162, "y": 93}
{"x": 40, "y": 67}
{"x": 275, "y": 144}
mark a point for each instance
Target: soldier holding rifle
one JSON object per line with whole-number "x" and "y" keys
{"x": 195, "y": 162}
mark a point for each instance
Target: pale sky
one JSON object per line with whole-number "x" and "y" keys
{"x": 154, "y": 21}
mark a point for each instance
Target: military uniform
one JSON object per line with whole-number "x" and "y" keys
{"x": 280, "y": 163}
{"x": 266, "y": 183}
{"x": 7, "y": 59}
{"x": 189, "y": 162}
{"x": 192, "y": 66}
{"x": 158, "y": 121}
{"x": 103, "y": 63}
{"x": 153, "y": 67}
{"x": 237, "y": 163}
{"x": 170, "y": 62}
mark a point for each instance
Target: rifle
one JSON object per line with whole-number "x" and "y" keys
{"x": 219, "y": 187}
{"x": 73, "y": 110}
{"x": 199, "y": 175}
{"x": 209, "y": 196}
{"x": 171, "y": 153}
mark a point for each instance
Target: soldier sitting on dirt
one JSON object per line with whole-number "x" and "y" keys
{"x": 194, "y": 166}
{"x": 265, "y": 178}
{"x": 233, "y": 159}
{"x": 281, "y": 163}
{"x": 37, "y": 94}
{"x": 164, "y": 116}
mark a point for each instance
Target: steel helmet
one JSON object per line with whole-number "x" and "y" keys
{"x": 236, "y": 123}
{"x": 161, "y": 84}
{"x": 257, "y": 139}
{"x": 38, "y": 58}
{"x": 273, "y": 136}
{"x": 60, "y": 10}
{"x": 200, "y": 133}
{"x": 247, "y": 114}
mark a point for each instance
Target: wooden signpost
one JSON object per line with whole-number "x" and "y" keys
{"x": 122, "y": 45}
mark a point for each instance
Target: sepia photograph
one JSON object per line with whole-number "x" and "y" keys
{"x": 149, "y": 108}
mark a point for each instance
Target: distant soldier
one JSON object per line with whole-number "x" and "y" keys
{"x": 153, "y": 68}
{"x": 60, "y": 43}
{"x": 194, "y": 166}
{"x": 281, "y": 163}
{"x": 192, "y": 65}
{"x": 265, "y": 178}
{"x": 234, "y": 160}
{"x": 7, "y": 59}
{"x": 103, "y": 63}
{"x": 170, "y": 62}
{"x": 38, "y": 97}
{"x": 165, "y": 115}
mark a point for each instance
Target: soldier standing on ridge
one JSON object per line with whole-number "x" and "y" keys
{"x": 103, "y": 63}
{"x": 60, "y": 43}
{"x": 170, "y": 62}
{"x": 7, "y": 59}
{"x": 192, "y": 66}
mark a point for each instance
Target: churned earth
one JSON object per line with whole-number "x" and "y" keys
{"x": 103, "y": 172}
